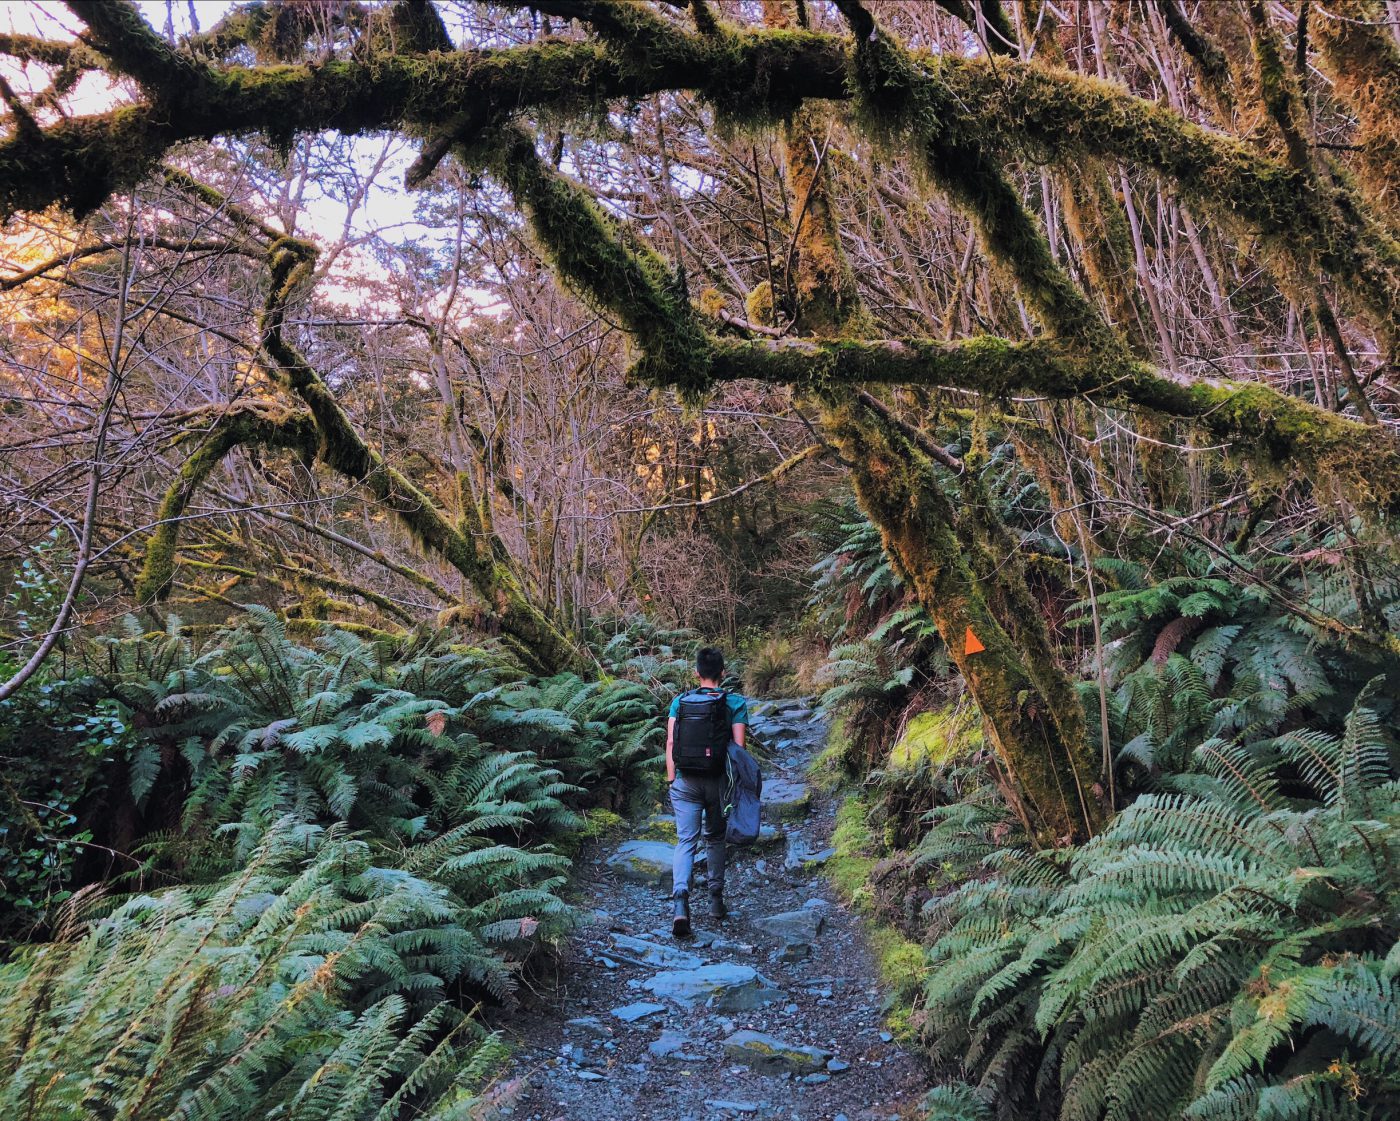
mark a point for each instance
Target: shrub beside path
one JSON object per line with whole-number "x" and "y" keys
{"x": 775, "y": 1013}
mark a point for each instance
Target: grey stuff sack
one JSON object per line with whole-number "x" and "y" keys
{"x": 742, "y": 793}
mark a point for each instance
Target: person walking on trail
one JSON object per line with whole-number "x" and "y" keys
{"x": 699, "y": 730}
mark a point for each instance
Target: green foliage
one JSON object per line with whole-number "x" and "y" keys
{"x": 1227, "y": 950}
{"x": 32, "y": 600}
{"x": 886, "y": 650}
{"x": 289, "y": 989}
{"x": 1219, "y": 650}
{"x": 362, "y": 842}
{"x": 56, "y": 747}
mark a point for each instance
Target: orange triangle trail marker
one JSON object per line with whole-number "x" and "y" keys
{"x": 972, "y": 644}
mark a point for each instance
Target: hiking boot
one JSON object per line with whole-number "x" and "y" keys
{"x": 680, "y": 924}
{"x": 718, "y": 911}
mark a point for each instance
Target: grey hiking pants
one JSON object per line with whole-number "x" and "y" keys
{"x": 694, "y": 796}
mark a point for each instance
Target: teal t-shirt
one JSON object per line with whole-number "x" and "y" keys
{"x": 738, "y": 708}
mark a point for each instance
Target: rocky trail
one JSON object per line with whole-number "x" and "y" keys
{"x": 774, "y": 1013}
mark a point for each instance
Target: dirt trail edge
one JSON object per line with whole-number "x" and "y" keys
{"x": 774, "y": 1013}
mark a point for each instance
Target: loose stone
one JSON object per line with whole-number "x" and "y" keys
{"x": 631, "y": 1013}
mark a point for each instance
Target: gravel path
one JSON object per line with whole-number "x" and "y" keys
{"x": 774, "y": 1013}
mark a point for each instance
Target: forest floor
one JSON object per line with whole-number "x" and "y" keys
{"x": 774, "y": 1013}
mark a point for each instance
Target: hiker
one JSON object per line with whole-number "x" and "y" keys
{"x": 700, "y": 728}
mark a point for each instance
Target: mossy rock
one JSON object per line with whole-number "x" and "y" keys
{"x": 785, "y": 801}
{"x": 658, "y": 827}
{"x": 770, "y": 1055}
{"x": 643, "y": 862}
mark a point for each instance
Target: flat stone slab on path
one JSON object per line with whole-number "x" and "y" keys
{"x": 726, "y": 988}
{"x": 643, "y": 862}
{"x": 649, "y": 862}
{"x": 771, "y": 1055}
{"x": 642, "y": 952}
{"x": 631, "y": 1013}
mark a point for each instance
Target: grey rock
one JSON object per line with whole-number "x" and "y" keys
{"x": 668, "y": 1044}
{"x": 816, "y": 905}
{"x": 641, "y": 952}
{"x": 821, "y": 856}
{"x": 793, "y": 952}
{"x": 631, "y": 1013}
{"x": 795, "y": 854}
{"x": 643, "y": 862}
{"x": 815, "y": 1079}
{"x": 784, "y": 800}
{"x": 574, "y": 1053}
{"x": 885, "y": 1037}
{"x": 836, "y": 1066}
{"x": 726, "y": 988}
{"x": 589, "y": 1076}
{"x": 793, "y": 926}
{"x": 770, "y": 1055}
{"x": 607, "y": 961}
{"x": 732, "y": 1107}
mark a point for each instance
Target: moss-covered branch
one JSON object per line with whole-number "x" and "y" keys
{"x": 612, "y": 270}
{"x": 477, "y": 556}
{"x": 754, "y": 76}
{"x": 118, "y": 31}
{"x": 1276, "y": 433}
{"x": 1204, "y": 52}
{"x": 240, "y": 426}
{"x": 1363, "y": 60}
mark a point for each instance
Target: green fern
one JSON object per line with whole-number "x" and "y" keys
{"x": 1224, "y": 950}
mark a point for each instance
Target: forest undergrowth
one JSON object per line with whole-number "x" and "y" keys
{"x": 268, "y": 866}
{"x": 250, "y": 876}
{"x": 394, "y": 392}
{"x": 1228, "y": 947}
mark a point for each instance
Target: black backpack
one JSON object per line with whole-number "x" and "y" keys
{"x": 701, "y": 744}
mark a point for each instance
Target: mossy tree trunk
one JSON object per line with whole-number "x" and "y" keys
{"x": 961, "y": 562}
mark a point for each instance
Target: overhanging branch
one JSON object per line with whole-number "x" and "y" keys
{"x": 1270, "y": 429}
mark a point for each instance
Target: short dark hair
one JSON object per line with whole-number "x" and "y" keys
{"x": 709, "y": 663}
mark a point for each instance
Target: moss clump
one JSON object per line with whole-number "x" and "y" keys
{"x": 937, "y": 737}
{"x": 759, "y": 305}
{"x": 832, "y": 766}
{"x": 902, "y": 963}
{"x": 849, "y": 870}
{"x": 658, "y": 828}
